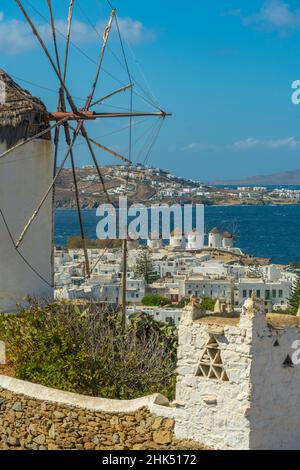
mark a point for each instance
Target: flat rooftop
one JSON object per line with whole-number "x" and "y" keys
{"x": 273, "y": 319}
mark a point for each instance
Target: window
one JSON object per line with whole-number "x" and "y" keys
{"x": 288, "y": 362}
{"x": 280, "y": 294}
{"x": 267, "y": 295}
{"x": 258, "y": 293}
{"x": 274, "y": 293}
{"x": 211, "y": 364}
{"x": 244, "y": 293}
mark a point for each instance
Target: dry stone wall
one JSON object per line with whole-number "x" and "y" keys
{"x": 65, "y": 421}
{"x": 28, "y": 423}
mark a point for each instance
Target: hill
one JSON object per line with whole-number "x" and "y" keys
{"x": 283, "y": 178}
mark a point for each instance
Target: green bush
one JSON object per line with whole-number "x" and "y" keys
{"x": 208, "y": 303}
{"x": 152, "y": 300}
{"x": 75, "y": 242}
{"x": 294, "y": 301}
{"x": 85, "y": 350}
{"x": 181, "y": 304}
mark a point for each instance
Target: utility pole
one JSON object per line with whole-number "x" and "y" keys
{"x": 124, "y": 284}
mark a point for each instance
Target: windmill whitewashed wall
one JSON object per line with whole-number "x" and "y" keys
{"x": 25, "y": 175}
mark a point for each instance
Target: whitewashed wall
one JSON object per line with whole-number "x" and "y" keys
{"x": 275, "y": 411}
{"x": 259, "y": 407}
{"x": 25, "y": 175}
{"x": 215, "y": 412}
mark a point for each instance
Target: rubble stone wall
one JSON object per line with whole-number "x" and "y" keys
{"x": 60, "y": 420}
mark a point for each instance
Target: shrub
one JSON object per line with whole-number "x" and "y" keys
{"x": 75, "y": 242}
{"x": 152, "y": 300}
{"x": 181, "y": 304}
{"x": 83, "y": 350}
{"x": 208, "y": 303}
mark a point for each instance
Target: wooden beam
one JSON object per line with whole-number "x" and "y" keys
{"x": 113, "y": 93}
{"x": 91, "y": 116}
{"x": 105, "y": 40}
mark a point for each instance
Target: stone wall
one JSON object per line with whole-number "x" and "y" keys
{"x": 237, "y": 388}
{"x": 37, "y": 418}
{"x": 30, "y": 423}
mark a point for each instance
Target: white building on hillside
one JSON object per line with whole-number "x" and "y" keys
{"x": 215, "y": 238}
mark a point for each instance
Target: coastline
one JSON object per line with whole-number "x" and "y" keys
{"x": 206, "y": 205}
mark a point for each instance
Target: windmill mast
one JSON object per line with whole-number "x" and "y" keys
{"x": 68, "y": 111}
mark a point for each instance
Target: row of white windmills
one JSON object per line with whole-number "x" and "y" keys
{"x": 194, "y": 241}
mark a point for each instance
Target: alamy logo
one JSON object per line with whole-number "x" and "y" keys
{"x": 139, "y": 222}
{"x": 2, "y": 92}
{"x": 296, "y": 354}
{"x": 296, "y": 94}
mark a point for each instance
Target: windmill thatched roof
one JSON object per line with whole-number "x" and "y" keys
{"x": 21, "y": 114}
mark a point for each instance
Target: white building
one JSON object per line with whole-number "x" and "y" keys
{"x": 170, "y": 316}
{"x": 227, "y": 240}
{"x": 215, "y": 238}
{"x": 274, "y": 293}
{"x": 155, "y": 242}
{"x": 23, "y": 183}
{"x": 177, "y": 241}
{"x": 238, "y": 384}
{"x": 195, "y": 241}
{"x": 215, "y": 288}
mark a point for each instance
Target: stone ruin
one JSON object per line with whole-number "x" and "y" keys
{"x": 238, "y": 383}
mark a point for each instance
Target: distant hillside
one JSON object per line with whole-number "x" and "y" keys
{"x": 287, "y": 177}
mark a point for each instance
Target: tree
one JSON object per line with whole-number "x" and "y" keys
{"x": 152, "y": 300}
{"x": 294, "y": 301}
{"x": 144, "y": 267}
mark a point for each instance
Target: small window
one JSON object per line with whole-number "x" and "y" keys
{"x": 211, "y": 365}
{"x": 288, "y": 362}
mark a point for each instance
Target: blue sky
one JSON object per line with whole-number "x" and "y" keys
{"x": 224, "y": 69}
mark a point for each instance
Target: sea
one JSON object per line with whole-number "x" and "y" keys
{"x": 270, "y": 231}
